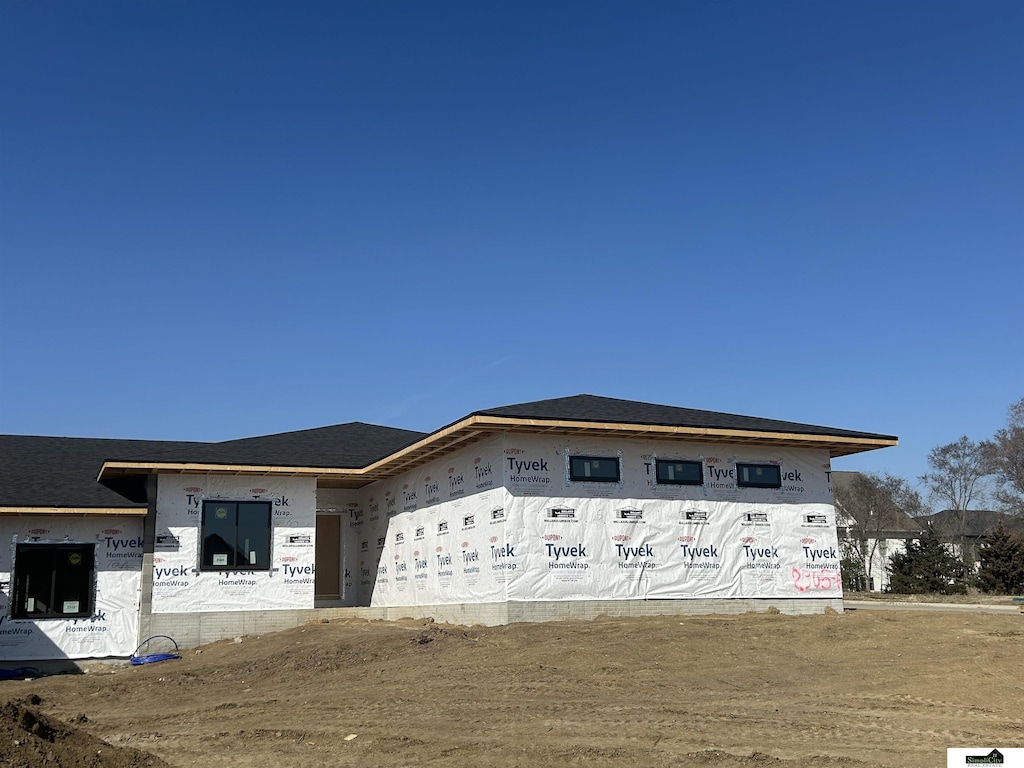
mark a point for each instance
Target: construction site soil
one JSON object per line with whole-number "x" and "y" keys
{"x": 878, "y": 688}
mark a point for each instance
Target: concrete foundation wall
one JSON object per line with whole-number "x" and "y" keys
{"x": 192, "y": 629}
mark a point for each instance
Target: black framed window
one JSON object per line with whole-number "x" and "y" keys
{"x": 236, "y": 536}
{"x": 673, "y": 472}
{"x": 53, "y": 581}
{"x": 759, "y": 475}
{"x": 594, "y": 469}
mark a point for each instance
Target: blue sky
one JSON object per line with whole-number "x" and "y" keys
{"x": 227, "y": 219}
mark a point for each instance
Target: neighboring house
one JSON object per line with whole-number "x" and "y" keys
{"x": 965, "y": 531}
{"x": 572, "y": 507}
{"x": 870, "y": 537}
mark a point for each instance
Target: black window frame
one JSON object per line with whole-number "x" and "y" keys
{"x": 204, "y": 550}
{"x": 573, "y": 477}
{"x": 658, "y": 463}
{"x": 755, "y": 484}
{"x": 86, "y": 578}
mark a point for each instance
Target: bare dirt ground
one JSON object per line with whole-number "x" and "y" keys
{"x": 864, "y": 688}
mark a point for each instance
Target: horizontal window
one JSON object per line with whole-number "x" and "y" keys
{"x": 758, "y": 476}
{"x": 236, "y": 536}
{"x": 53, "y": 581}
{"x": 594, "y": 469}
{"x": 670, "y": 472}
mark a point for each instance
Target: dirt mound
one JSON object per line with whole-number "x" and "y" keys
{"x": 879, "y": 688}
{"x": 29, "y": 738}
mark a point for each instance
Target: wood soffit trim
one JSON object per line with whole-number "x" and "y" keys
{"x": 92, "y": 511}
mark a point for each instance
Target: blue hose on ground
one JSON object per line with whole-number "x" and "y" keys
{"x": 149, "y": 658}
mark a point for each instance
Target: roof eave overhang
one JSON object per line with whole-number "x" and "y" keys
{"x": 477, "y": 427}
{"x": 79, "y": 511}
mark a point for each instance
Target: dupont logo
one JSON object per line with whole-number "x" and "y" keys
{"x": 193, "y": 489}
{"x": 696, "y": 514}
{"x": 498, "y": 513}
{"x": 552, "y": 537}
{"x": 561, "y": 513}
{"x": 712, "y": 460}
{"x": 257, "y": 491}
{"x": 38, "y": 531}
{"x": 494, "y": 539}
{"x": 439, "y": 549}
{"x": 514, "y": 451}
{"x": 405, "y": 486}
{"x": 476, "y": 460}
{"x": 300, "y": 538}
{"x": 354, "y": 505}
{"x": 807, "y": 541}
{"x": 289, "y": 559}
{"x": 995, "y": 757}
{"x": 747, "y": 540}
{"x": 630, "y": 514}
{"x": 468, "y": 520}
{"x": 620, "y": 537}
{"x": 816, "y": 519}
{"x": 465, "y": 545}
{"x": 451, "y": 470}
{"x": 397, "y": 557}
{"x": 688, "y": 539}
{"x": 425, "y": 480}
{"x": 415, "y": 553}
{"x": 158, "y": 559}
{"x": 111, "y": 531}
{"x": 755, "y": 517}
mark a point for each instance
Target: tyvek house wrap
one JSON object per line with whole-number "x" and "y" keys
{"x": 112, "y": 628}
{"x": 549, "y": 538}
{"x": 180, "y": 586}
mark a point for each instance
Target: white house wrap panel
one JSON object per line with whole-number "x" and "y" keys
{"x": 550, "y": 537}
{"x": 112, "y": 627}
{"x": 181, "y": 585}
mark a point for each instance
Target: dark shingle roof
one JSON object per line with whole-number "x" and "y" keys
{"x": 61, "y": 471}
{"x": 342, "y": 446}
{"x": 978, "y": 522}
{"x": 608, "y": 409}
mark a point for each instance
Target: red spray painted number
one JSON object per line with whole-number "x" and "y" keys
{"x": 805, "y": 580}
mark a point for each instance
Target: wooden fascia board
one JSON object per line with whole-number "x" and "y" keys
{"x": 187, "y": 468}
{"x": 93, "y": 511}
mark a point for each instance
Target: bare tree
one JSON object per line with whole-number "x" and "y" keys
{"x": 1005, "y": 452}
{"x": 876, "y": 507}
{"x": 958, "y": 470}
